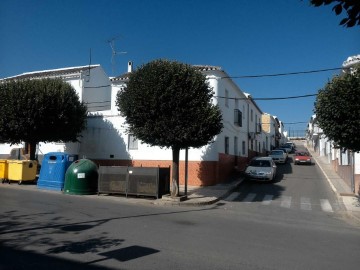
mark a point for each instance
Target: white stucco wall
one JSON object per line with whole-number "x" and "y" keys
{"x": 106, "y": 137}
{"x": 229, "y": 98}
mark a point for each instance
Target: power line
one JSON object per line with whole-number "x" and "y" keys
{"x": 276, "y": 98}
{"x": 282, "y": 74}
{"x": 294, "y": 123}
{"x": 101, "y": 86}
{"x": 303, "y": 96}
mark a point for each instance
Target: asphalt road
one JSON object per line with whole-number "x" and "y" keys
{"x": 285, "y": 225}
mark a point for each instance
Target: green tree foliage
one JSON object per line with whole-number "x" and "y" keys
{"x": 45, "y": 110}
{"x": 168, "y": 104}
{"x": 351, "y": 7}
{"x": 337, "y": 109}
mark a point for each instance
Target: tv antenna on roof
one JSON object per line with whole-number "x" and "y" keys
{"x": 114, "y": 53}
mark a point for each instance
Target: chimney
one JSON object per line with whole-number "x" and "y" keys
{"x": 130, "y": 68}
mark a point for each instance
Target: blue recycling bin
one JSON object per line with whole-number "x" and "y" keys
{"x": 53, "y": 169}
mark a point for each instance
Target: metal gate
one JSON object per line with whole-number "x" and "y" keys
{"x": 144, "y": 181}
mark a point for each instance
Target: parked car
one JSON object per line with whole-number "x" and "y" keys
{"x": 288, "y": 147}
{"x": 278, "y": 156}
{"x": 302, "y": 157}
{"x": 293, "y": 145}
{"x": 284, "y": 150}
{"x": 261, "y": 168}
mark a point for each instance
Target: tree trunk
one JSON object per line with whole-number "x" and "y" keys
{"x": 175, "y": 173}
{"x": 32, "y": 150}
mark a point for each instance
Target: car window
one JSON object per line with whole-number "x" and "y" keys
{"x": 302, "y": 154}
{"x": 260, "y": 163}
{"x": 276, "y": 152}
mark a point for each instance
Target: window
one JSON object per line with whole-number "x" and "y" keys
{"x": 243, "y": 148}
{"x": 226, "y": 145}
{"x": 267, "y": 144}
{"x": 133, "y": 142}
{"x": 258, "y": 127}
{"x": 238, "y": 117}
{"x": 226, "y": 98}
{"x": 251, "y": 115}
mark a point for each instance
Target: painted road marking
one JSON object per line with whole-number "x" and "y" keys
{"x": 233, "y": 196}
{"x": 267, "y": 199}
{"x": 285, "y": 201}
{"x": 305, "y": 204}
{"x": 249, "y": 198}
{"x": 326, "y": 206}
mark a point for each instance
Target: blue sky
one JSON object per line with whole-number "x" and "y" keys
{"x": 243, "y": 37}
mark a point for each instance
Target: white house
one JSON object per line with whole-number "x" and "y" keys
{"x": 270, "y": 127}
{"x": 93, "y": 87}
{"x": 207, "y": 165}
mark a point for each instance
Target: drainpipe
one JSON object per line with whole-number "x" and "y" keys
{"x": 352, "y": 171}
{"x": 248, "y": 129}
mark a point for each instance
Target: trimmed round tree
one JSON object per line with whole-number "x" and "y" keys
{"x": 169, "y": 104}
{"x": 337, "y": 109}
{"x": 43, "y": 110}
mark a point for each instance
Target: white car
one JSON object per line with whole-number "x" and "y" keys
{"x": 279, "y": 156}
{"x": 261, "y": 168}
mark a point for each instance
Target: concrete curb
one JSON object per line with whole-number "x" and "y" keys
{"x": 200, "y": 201}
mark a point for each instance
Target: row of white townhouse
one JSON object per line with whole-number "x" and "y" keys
{"x": 344, "y": 162}
{"x": 247, "y": 130}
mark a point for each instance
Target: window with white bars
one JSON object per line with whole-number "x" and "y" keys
{"x": 133, "y": 142}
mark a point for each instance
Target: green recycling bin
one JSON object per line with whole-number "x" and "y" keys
{"x": 81, "y": 178}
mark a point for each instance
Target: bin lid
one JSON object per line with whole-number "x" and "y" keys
{"x": 21, "y": 161}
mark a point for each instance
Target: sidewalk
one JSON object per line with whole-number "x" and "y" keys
{"x": 338, "y": 186}
{"x": 203, "y": 195}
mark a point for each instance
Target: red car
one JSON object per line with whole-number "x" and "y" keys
{"x": 302, "y": 157}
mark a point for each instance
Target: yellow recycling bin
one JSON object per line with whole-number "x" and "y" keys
{"x": 22, "y": 170}
{"x": 3, "y": 170}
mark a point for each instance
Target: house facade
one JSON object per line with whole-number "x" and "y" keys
{"x": 93, "y": 87}
{"x": 344, "y": 162}
{"x": 270, "y": 127}
{"x": 240, "y": 139}
{"x": 106, "y": 142}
